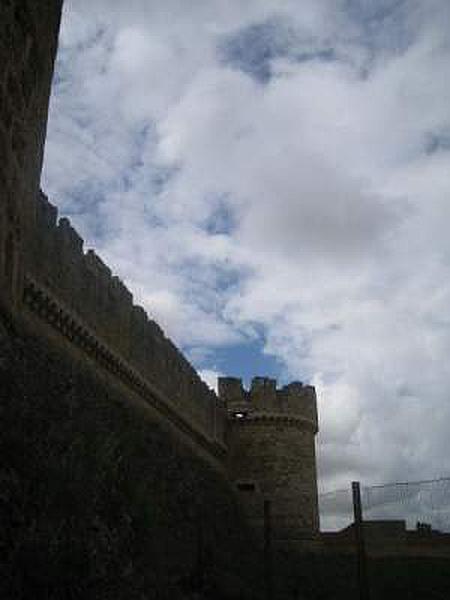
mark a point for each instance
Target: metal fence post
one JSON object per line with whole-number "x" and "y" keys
{"x": 268, "y": 550}
{"x": 363, "y": 580}
{"x": 200, "y": 552}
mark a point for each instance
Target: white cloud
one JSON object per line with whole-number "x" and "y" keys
{"x": 210, "y": 377}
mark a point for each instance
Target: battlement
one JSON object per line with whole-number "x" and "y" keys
{"x": 264, "y": 398}
{"x": 75, "y": 291}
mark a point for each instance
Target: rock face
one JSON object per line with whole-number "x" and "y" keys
{"x": 272, "y": 454}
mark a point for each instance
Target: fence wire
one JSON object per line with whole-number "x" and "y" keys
{"x": 336, "y": 509}
{"x": 426, "y": 502}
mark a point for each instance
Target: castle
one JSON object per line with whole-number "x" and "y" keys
{"x": 123, "y": 475}
{"x": 261, "y": 441}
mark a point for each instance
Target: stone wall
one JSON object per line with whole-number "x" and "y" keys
{"x": 388, "y": 538}
{"x": 98, "y": 499}
{"x": 76, "y": 294}
{"x": 28, "y": 41}
{"x": 42, "y": 264}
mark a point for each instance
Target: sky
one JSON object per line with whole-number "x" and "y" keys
{"x": 271, "y": 180}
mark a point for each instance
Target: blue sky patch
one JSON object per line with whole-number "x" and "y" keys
{"x": 253, "y": 48}
{"x": 245, "y": 360}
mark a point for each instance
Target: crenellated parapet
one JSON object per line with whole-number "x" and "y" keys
{"x": 294, "y": 402}
{"x": 75, "y": 293}
{"x": 44, "y": 272}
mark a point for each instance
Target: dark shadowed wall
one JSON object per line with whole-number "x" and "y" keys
{"x": 28, "y": 41}
{"x": 110, "y": 469}
{"x": 99, "y": 500}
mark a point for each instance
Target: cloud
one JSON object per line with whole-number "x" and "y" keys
{"x": 210, "y": 377}
{"x": 281, "y": 170}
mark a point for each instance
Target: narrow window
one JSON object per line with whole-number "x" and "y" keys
{"x": 245, "y": 486}
{"x": 9, "y": 260}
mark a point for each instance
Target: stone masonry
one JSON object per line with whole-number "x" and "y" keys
{"x": 272, "y": 454}
{"x": 28, "y": 42}
{"x": 75, "y": 293}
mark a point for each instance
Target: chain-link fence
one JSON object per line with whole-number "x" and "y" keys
{"x": 385, "y": 541}
{"x": 336, "y": 509}
{"x": 425, "y": 502}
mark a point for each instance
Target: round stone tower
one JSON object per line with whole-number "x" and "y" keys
{"x": 271, "y": 441}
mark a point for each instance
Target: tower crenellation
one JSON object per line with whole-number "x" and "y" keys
{"x": 296, "y": 398}
{"x": 264, "y": 397}
{"x": 263, "y": 393}
{"x": 232, "y": 391}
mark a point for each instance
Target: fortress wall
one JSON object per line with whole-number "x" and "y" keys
{"x": 278, "y": 459}
{"x": 35, "y": 246}
{"x": 84, "y": 287}
{"x": 101, "y": 498}
{"x": 112, "y": 447}
{"x": 28, "y": 41}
